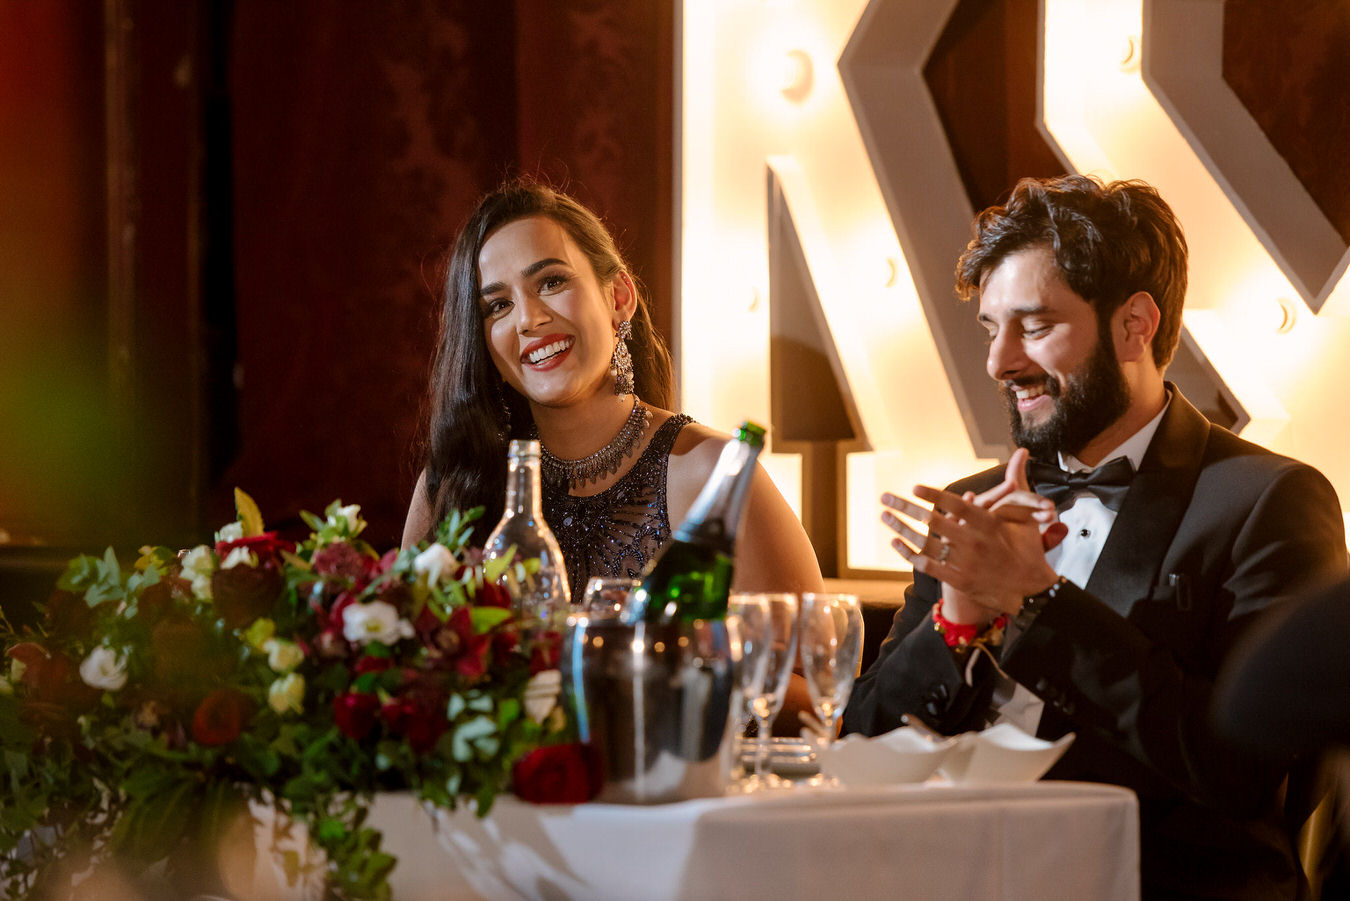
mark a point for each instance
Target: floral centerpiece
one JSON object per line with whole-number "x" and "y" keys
{"x": 156, "y": 702}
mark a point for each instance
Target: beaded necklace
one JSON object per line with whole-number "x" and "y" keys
{"x": 605, "y": 461}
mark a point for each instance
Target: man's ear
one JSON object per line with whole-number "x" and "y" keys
{"x": 1136, "y": 324}
{"x": 623, "y": 294}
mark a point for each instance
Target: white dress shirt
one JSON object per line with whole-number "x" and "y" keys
{"x": 1089, "y": 522}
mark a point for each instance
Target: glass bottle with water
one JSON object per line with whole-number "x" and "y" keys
{"x": 543, "y": 593}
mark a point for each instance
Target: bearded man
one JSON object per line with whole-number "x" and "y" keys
{"x": 1166, "y": 536}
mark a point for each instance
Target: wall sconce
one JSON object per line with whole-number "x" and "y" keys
{"x": 794, "y": 80}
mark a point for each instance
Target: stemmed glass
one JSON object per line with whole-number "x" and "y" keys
{"x": 767, "y": 624}
{"x": 831, "y": 642}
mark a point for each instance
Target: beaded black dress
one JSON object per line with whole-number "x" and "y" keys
{"x": 618, "y": 531}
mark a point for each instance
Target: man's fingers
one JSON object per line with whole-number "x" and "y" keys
{"x": 1053, "y": 535}
{"x": 1017, "y": 469}
{"x": 1024, "y": 498}
{"x": 904, "y": 529}
{"x": 949, "y": 503}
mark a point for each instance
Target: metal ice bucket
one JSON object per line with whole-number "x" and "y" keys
{"x": 655, "y": 702}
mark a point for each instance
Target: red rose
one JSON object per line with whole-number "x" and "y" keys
{"x": 355, "y": 714}
{"x": 220, "y": 717}
{"x": 266, "y": 546}
{"x": 417, "y": 717}
{"x": 243, "y": 593}
{"x": 558, "y": 774}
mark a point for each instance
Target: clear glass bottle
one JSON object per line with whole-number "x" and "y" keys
{"x": 545, "y": 594}
{"x": 691, "y": 578}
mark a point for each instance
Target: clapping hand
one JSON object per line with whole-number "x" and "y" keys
{"x": 988, "y": 549}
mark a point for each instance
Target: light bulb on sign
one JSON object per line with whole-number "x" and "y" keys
{"x": 794, "y": 79}
{"x": 1130, "y": 54}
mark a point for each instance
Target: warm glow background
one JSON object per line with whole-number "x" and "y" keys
{"x": 761, "y": 91}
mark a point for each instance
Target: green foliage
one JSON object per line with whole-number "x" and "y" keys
{"x": 157, "y": 754}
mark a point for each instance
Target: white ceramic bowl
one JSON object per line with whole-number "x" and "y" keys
{"x": 1002, "y": 753}
{"x": 901, "y": 755}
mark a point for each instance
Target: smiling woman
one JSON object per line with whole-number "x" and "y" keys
{"x": 545, "y": 333}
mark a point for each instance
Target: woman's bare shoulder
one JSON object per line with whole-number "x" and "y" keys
{"x": 697, "y": 444}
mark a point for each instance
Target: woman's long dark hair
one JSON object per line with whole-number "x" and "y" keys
{"x": 469, "y": 427}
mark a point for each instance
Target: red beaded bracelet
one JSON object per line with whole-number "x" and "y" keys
{"x": 967, "y": 635}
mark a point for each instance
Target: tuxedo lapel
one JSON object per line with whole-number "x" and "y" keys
{"x": 1128, "y": 567}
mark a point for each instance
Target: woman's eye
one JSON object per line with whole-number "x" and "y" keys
{"x": 495, "y": 306}
{"x": 550, "y": 283}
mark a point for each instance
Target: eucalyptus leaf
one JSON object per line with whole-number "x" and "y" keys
{"x": 485, "y": 619}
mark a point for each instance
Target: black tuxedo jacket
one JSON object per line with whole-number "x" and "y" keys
{"x": 1212, "y": 530}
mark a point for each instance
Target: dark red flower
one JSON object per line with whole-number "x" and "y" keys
{"x": 53, "y": 681}
{"x": 369, "y": 664}
{"x": 545, "y": 652}
{"x": 355, "y": 714}
{"x": 343, "y": 560}
{"x": 558, "y": 774}
{"x": 221, "y": 717}
{"x": 180, "y": 650}
{"x": 155, "y": 601}
{"x": 68, "y": 613}
{"x": 453, "y": 645}
{"x": 267, "y": 546}
{"x": 492, "y": 595}
{"x": 417, "y": 717}
{"x": 243, "y": 593}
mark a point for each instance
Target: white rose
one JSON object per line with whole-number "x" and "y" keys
{"x": 104, "y": 668}
{"x": 433, "y": 562}
{"x": 287, "y": 694}
{"x": 282, "y": 655}
{"x": 230, "y": 532}
{"x": 352, "y": 514}
{"x": 541, "y": 694}
{"x": 198, "y": 564}
{"x": 240, "y": 556}
{"x": 376, "y": 621}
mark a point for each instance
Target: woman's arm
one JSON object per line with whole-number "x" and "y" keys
{"x": 772, "y": 550}
{"x": 418, "y": 523}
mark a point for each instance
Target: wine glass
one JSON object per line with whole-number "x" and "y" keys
{"x": 749, "y": 670}
{"x": 831, "y": 642}
{"x": 768, "y": 633}
{"x": 606, "y": 596}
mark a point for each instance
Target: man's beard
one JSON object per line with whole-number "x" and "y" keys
{"x": 1093, "y": 398}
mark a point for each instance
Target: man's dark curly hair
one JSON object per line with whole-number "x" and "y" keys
{"x": 1109, "y": 241}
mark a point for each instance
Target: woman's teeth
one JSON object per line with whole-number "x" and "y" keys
{"x": 548, "y": 350}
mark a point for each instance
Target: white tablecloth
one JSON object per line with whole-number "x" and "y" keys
{"x": 1048, "y": 840}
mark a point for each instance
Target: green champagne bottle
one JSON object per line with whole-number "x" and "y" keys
{"x": 691, "y": 578}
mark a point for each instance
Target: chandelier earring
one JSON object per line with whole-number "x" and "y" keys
{"x": 621, "y": 364}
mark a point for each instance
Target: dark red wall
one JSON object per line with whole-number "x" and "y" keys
{"x": 360, "y": 142}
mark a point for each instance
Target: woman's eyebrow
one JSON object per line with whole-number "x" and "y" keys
{"x": 525, "y": 273}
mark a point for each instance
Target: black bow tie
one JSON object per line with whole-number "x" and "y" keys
{"x": 1108, "y": 482}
